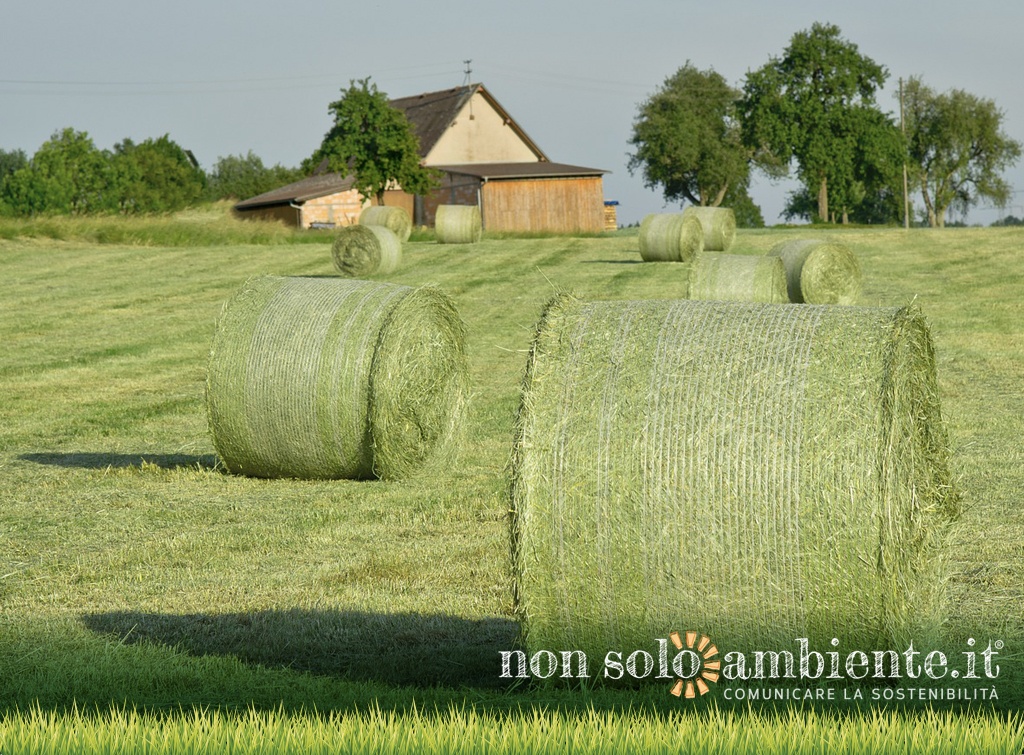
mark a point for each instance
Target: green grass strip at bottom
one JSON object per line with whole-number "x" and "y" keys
{"x": 461, "y": 730}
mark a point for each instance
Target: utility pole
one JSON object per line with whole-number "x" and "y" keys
{"x": 906, "y": 195}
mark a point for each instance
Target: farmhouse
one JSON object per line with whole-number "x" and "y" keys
{"x": 485, "y": 158}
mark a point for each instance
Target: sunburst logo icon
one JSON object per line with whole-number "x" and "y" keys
{"x": 704, "y": 667}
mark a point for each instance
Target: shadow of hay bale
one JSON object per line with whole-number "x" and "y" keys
{"x": 422, "y": 650}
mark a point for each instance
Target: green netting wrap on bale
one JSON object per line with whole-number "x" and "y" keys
{"x": 361, "y": 250}
{"x": 395, "y": 219}
{"x": 819, "y": 272}
{"x": 325, "y": 378}
{"x": 718, "y": 224}
{"x": 757, "y": 472}
{"x": 670, "y": 237}
{"x": 737, "y": 277}
{"x": 458, "y": 224}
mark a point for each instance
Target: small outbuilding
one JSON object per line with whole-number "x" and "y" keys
{"x": 485, "y": 158}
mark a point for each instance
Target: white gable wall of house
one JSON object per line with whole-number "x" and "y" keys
{"x": 480, "y": 134}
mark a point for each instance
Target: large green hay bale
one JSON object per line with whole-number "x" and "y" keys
{"x": 395, "y": 219}
{"x": 757, "y": 472}
{"x": 719, "y": 224}
{"x": 819, "y": 272}
{"x": 737, "y": 277}
{"x": 361, "y": 250}
{"x": 458, "y": 224}
{"x": 670, "y": 237}
{"x": 326, "y": 378}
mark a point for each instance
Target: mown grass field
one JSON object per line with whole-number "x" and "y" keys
{"x": 136, "y": 579}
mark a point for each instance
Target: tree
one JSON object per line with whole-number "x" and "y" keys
{"x": 10, "y": 163}
{"x": 67, "y": 174}
{"x": 956, "y": 148}
{"x": 155, "y": 176}
{"x": 374, "y": 142}
{"x": 816, "y": 105}
{"x": 244, "y": 176}
{"x": 687, "y": 138}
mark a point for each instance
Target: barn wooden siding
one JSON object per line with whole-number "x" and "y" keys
{"x": 560, "y": 205}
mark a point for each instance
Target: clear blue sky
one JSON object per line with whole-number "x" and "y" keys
{"x": 224, "y": 78}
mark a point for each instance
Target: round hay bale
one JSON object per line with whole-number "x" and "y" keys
{"x": 819, "y": 272}
{"x": 395, "y": 219}
{"x": 737, "y": 277}
{"x": 361, "y": 250}
{"x": 670, "y": 237}
{"x": 757, "y": 472}
{"x": 719, "y": 224}
{"x": 323, "y": 378}
{"x": 458, "y": 224}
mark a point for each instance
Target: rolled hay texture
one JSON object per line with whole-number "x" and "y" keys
{"x": 819, "y": 272}
{"x": 395, "y": 219}
{"x": 458, "y": 224}
{"x": 736, "y": 277}
{"x": 719, "y": 225}
{"x": 361, "y": 250}
{"x": 670, "y": 237}
{"x": 755, "y": 472}
{"x": 326, "y": 378}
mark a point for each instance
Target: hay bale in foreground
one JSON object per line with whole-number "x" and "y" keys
{"x": 361, "y": 250}
{"x": 325, "y": 378}
{"x": 395, "y": 219}
{"x": 819, "y": 272}
{"x": 670, "y": 237}
{"x": 719, "y": 225}
{"x": 758, "y": 472}
{"x": 458, "y": 224}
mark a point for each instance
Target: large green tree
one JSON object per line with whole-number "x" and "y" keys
{"x": 374, "y": 142}
{"x": 156, "y": 175}
{"x": 68, "y": 174}
{"x": 687, "y": 140}
{"x": 957, "y": 149}
{"x": 816, "y": 106}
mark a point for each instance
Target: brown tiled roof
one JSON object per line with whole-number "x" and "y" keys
{"x": 300, "y": 191}
{"x": 432, "y": 113}
{"x": 498, "y": 171}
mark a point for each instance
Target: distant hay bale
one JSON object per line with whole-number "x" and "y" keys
{"x": 458, "y": 224}
{"x": 758, "y": 472}
{"x": 719, "y": 224}
{"x": 737, "y": 277}
{"x": 670, "y": 237}
{"x": 326, "y": 378}
{"x": 394, "y": 219}
{"x": 819, "y": 272}
{"x": 361, "y": 250}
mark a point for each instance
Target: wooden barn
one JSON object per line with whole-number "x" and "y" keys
{"x": 485, "y": 159}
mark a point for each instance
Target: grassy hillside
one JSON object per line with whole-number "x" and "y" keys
{"x": 134, "y": 572}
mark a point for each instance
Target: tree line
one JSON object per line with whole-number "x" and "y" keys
{"x": 70, "y": 175}
{"x": 812, "y": 111}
